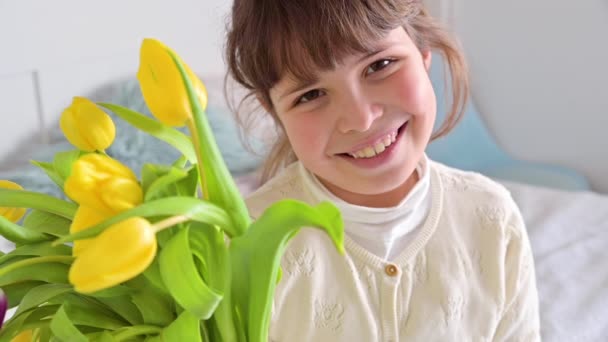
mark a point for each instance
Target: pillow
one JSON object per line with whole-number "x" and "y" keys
{"x": 134, "y": 147}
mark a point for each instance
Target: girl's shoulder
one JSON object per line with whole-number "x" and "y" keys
{"x": 457, "y": 181}
{"x": 286, "y": 184}
{"x": 473, "y": 197}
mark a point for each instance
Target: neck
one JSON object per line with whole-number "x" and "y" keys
{"x": 383, "y": 200}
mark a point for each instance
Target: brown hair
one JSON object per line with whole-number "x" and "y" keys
{"x": 268, "y": 39}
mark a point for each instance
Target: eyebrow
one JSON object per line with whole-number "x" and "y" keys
{"x": 305, "y": 84}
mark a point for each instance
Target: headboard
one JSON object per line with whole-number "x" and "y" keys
{"x": 538, "y": 68}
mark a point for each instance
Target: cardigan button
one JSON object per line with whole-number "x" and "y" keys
{"x": 391, "y": 270}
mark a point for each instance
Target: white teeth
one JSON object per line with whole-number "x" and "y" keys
{"x": 377, "y": 148}
{"x": 369, "y": 152}
{"x": 387, "y": 140}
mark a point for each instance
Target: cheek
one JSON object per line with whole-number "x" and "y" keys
{"x": 304, "y": 134}
{"x": 416, "y": 92}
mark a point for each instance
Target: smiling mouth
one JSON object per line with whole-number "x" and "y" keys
{"x": 378, "y": 148}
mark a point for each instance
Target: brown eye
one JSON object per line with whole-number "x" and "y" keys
{"x": 378, "y": 65}
{"x": 309, "y": 96}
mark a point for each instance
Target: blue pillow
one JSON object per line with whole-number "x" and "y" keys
{"x": 134, "y": 147}
{"x": 470, "y": 146}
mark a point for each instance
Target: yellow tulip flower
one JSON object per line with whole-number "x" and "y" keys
{"x": 104, "y": 184}
{"x": 162, "y": 85}
{"x": 120, "y": 253}
{"x": 24, "y": 336}
{"x": 86, "y": 126}
{"x": 85, "y": 218}
{"x": 12, "y": 214}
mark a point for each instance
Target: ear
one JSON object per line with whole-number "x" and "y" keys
{"x": 426, "y": 58}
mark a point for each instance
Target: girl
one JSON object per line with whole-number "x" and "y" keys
{"x": 432, "y": 253}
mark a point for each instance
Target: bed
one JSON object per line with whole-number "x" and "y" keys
{"x": 565, "y": 207}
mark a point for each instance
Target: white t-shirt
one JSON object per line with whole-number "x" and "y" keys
{"x": 382, "y": 231}
{"x": 466, "y": 273}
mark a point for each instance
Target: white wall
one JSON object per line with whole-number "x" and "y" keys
{"x": 53, "y": 50}
{"x": 538, "y": 67}
{"x": 540, "y": 78}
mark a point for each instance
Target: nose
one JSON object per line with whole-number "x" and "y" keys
{"x": 357, "y": 111}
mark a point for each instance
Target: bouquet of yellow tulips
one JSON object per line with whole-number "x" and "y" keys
{"x": 172, "y": 256}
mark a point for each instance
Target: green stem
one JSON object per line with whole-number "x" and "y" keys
{"x": 169, "y": 222}
{"x": 199, "y": 157}
{"x": 136, "y": 331}
{"x": 35, "y": 200}
{"x": 38, "y": 260}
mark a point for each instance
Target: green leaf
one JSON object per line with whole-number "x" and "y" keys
{"x": 188, "y": 185}
{"x": 13, "y": 326}
{"x": 184, "y": 186}
{"x": 44, "y": 222}
{"x": 155, "y": 128}
{"x": 185, "y": 328}
{"x": 50, "y": 269}
{"x": 151, "y": 172}
{"x": 183, "y": 281}
{"x": 34, "y": 200}
{"x": 256, "y": 256}
{"x": 43, "y": 333}
{"x": 16, "y": 291}
{"x": 63, "y": 328}
{"x": 124, "y": 307}
{"x": 155, "y": 307}
{"x": 36, "y": 249}
{"x": 152, "y": 275}
{"x": 92, "y": 316}
{"x": 208, "y": 246}
{"x": 114, "y": 291}
{"x": 193, "y": 208}
{"x": 127, "y": 333}
{"x": 42, "y": 294}
{"x": 159, "y": 186}
{"x": 63, "y": 163}
{"x": 216, "y": 180}
{"x": 18, "y": 234}
{"x": 49, "y": 169}
{"x": 103, "y": 336}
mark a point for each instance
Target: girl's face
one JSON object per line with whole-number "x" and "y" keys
{"x": 362, "y": 128}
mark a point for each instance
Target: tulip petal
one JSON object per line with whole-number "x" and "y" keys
{"x": 103, "y": 183}
{"x": 120, "y": 253}
{"x": 11, "y": 213}
{"x": 161, "y": 84}
{"x": 86, "y": 126}
{"x": 69, "y": 127}
{"x": 85, "y": 217}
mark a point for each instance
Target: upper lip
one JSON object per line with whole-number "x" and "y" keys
{"x": 374, "y": 139}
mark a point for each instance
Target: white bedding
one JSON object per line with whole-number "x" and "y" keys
{"x": 569, "y": 236}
